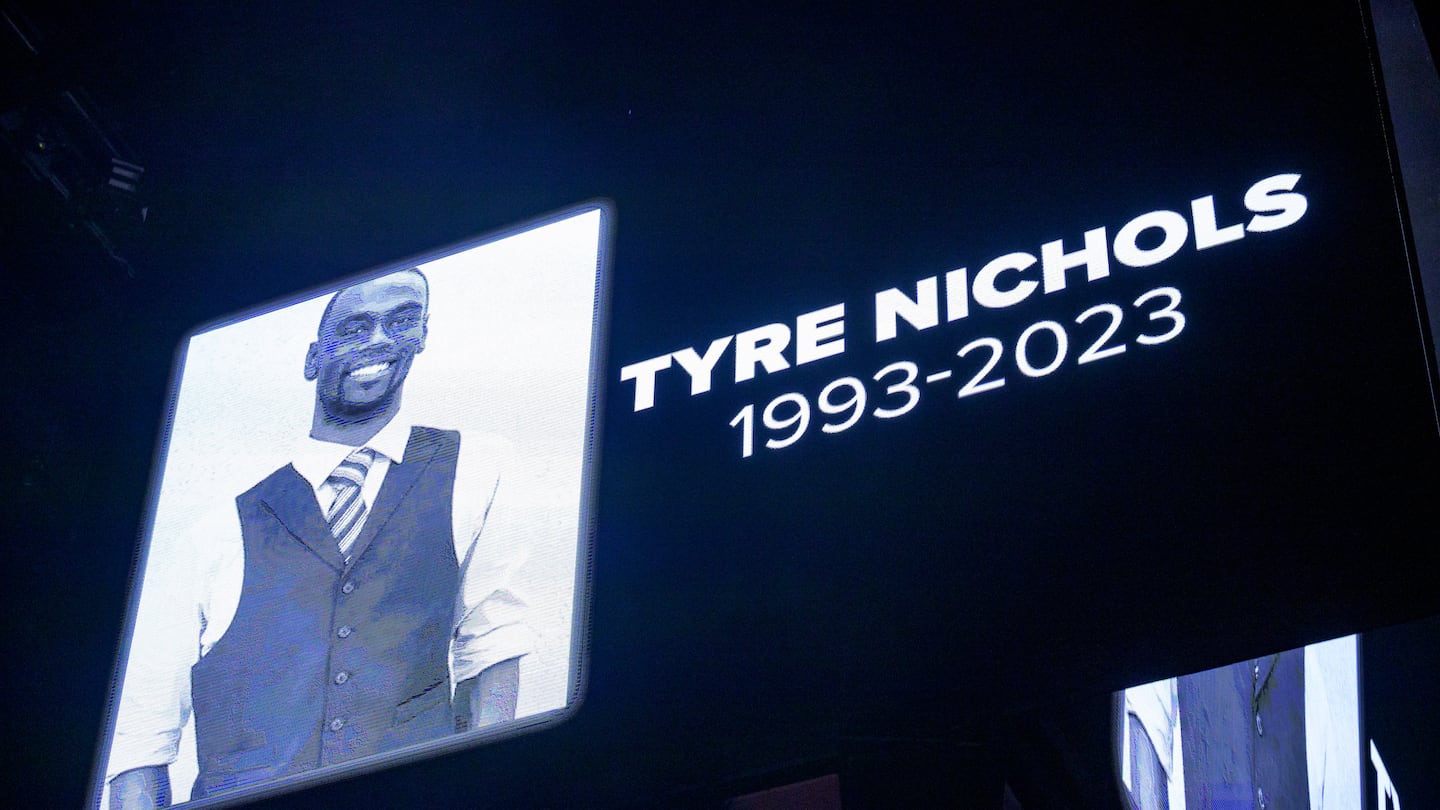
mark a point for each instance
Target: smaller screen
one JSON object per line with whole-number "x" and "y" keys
{"x": 1282, "y": 730}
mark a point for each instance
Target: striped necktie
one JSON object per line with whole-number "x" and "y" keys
{"x": 346, "y": 514}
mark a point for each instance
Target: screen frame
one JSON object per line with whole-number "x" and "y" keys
{"x": 577, "y": 676}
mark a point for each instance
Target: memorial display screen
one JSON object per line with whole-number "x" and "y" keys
{"x": 955, "y": 364}
{"x": 371, "y": 522}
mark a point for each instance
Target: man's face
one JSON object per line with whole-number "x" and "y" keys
{"x": 367, "y": 340}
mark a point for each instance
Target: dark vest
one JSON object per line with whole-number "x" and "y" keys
{"x": 1242, "y": 731}
{"x": 324, "y": 663}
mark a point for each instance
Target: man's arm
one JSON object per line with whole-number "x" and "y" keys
{"x": 155, "y": 700}
{"x": 141, "y": 789}
{"x": 491, "y": 633}
{"x": 487, "y": 698}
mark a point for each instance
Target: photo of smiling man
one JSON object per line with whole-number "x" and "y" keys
{"x": 371, "y": 592}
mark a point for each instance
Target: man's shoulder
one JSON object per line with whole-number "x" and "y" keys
{"x": 285, "y": 475}
{"x": 423, "y": 433}
{"x": 481, "y": 457}
{"x": 474, "y": 443}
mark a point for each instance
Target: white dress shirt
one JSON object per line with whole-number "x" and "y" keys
{"x": 189, "y": 598}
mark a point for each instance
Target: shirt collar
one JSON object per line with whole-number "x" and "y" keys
{"x": 315, "y": 459}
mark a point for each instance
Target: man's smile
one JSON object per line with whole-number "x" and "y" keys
{"x": 370, "y": 373}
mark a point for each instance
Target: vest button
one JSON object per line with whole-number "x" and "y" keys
{"x": 347, "y": 587}
{"x": 344, "y": 632}
{"x": 337, "y": 724}
{"x": 342, "y": 677}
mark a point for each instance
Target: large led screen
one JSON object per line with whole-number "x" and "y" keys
{"x": 962, "y": 360}
{"x": 370, "y": 516}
